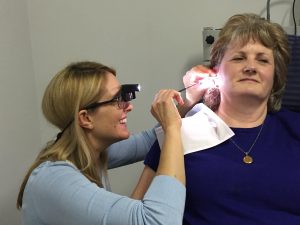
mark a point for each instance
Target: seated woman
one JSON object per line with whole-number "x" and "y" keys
{"x": 252, "y": 177}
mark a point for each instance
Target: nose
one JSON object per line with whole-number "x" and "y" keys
{"x": 128, "y": 107}
{"x": 249, "y": 70}
{"x": 250, "y": 67}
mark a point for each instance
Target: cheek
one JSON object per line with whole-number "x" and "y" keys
{"x": 223, "y": 78}
{"x": 227, "y": 71}
{"x": 104, "y": 119}
{"x": 269, "y": 77}
{"x": 271, "y": 83}
{"x": 109, "y": 119}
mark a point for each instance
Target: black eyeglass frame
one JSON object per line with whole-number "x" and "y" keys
{"x": 126, "y": 94}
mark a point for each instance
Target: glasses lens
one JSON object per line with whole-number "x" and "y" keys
{"x": 122, "y": 104}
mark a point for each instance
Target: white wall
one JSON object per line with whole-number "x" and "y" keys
{"x": 149, "y": 42}
{"x": 19, "y": 129}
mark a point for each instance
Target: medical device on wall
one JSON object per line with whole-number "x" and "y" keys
{"x": 210, "y": 35}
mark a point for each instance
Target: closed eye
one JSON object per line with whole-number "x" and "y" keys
{"x": 263, "y": 60}
{"x": 237, "y": 58}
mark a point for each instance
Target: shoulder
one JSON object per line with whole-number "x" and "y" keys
{"x": 285, "y": 119}
{"x": 287, "y": 116}
{"x": 54, "y": 184}
{"x": 49, "y": 175}
{"x": 57, "y": 166}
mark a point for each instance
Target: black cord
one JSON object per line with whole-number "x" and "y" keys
{"x": 268, "y": 10}
{"x": 294, "y": 18}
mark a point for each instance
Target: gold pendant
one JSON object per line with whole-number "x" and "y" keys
{"x": 248, "y": 159}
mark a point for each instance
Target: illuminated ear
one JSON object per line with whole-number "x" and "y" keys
{"x": 215, "y": 70}
{"x": 84, "y": 119}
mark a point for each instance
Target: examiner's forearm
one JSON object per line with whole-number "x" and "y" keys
{"x": 172, "y": 160}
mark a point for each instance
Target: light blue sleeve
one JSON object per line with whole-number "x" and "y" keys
{"x": 57, "y": 193}
{"x": 131, "y": 150}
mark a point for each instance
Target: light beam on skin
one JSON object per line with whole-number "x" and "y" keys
{"x": 195, "y": 78}
{"x": 205, "y": 80}
{"x": 208, "y": 81}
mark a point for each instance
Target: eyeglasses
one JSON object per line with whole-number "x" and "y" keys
{"x": 121, "y": 104}
{"x": 123, "y": 97}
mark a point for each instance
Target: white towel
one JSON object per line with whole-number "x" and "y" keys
{"x": 201, "y": 129}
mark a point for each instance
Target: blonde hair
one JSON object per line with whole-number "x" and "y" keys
{"x": 244, "y": 27}
{"x": 71, "y": 89}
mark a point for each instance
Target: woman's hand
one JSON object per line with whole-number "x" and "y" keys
{"x": 164, "y": 109}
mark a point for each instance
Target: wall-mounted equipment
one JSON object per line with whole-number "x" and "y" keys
{"x": 210, "y": 35}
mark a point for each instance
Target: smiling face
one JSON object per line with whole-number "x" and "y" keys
{"x": 108, "y": 121}
{"x": 246, "y": 71}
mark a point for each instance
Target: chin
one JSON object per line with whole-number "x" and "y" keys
{"x": 124, "y": 135}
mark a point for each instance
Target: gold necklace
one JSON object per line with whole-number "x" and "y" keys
{"x": 247, "y": 158}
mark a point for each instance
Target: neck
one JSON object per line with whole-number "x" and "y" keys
{"x": 242, "y": 114}
{"x": 97, "y": 147}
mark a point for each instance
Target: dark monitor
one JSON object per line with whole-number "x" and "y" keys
{"x": 291, "y": 97}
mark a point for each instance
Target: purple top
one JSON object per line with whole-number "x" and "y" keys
{"x": 222, "y": 189}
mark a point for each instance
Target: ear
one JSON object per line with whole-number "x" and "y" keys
{"x": 215, "y": 69}
{"x": 85, "y": 120}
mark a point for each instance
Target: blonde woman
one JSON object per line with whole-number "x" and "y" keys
{"x": 67, "y": 183}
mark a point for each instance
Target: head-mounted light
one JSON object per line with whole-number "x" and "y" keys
{"x": 127, "y": 92}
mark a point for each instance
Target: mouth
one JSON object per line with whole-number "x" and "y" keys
{"x": 248, "y": 79}
{"x": 123, "y": 121}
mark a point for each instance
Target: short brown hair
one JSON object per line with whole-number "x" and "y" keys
{"x": 244, "y": 27}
